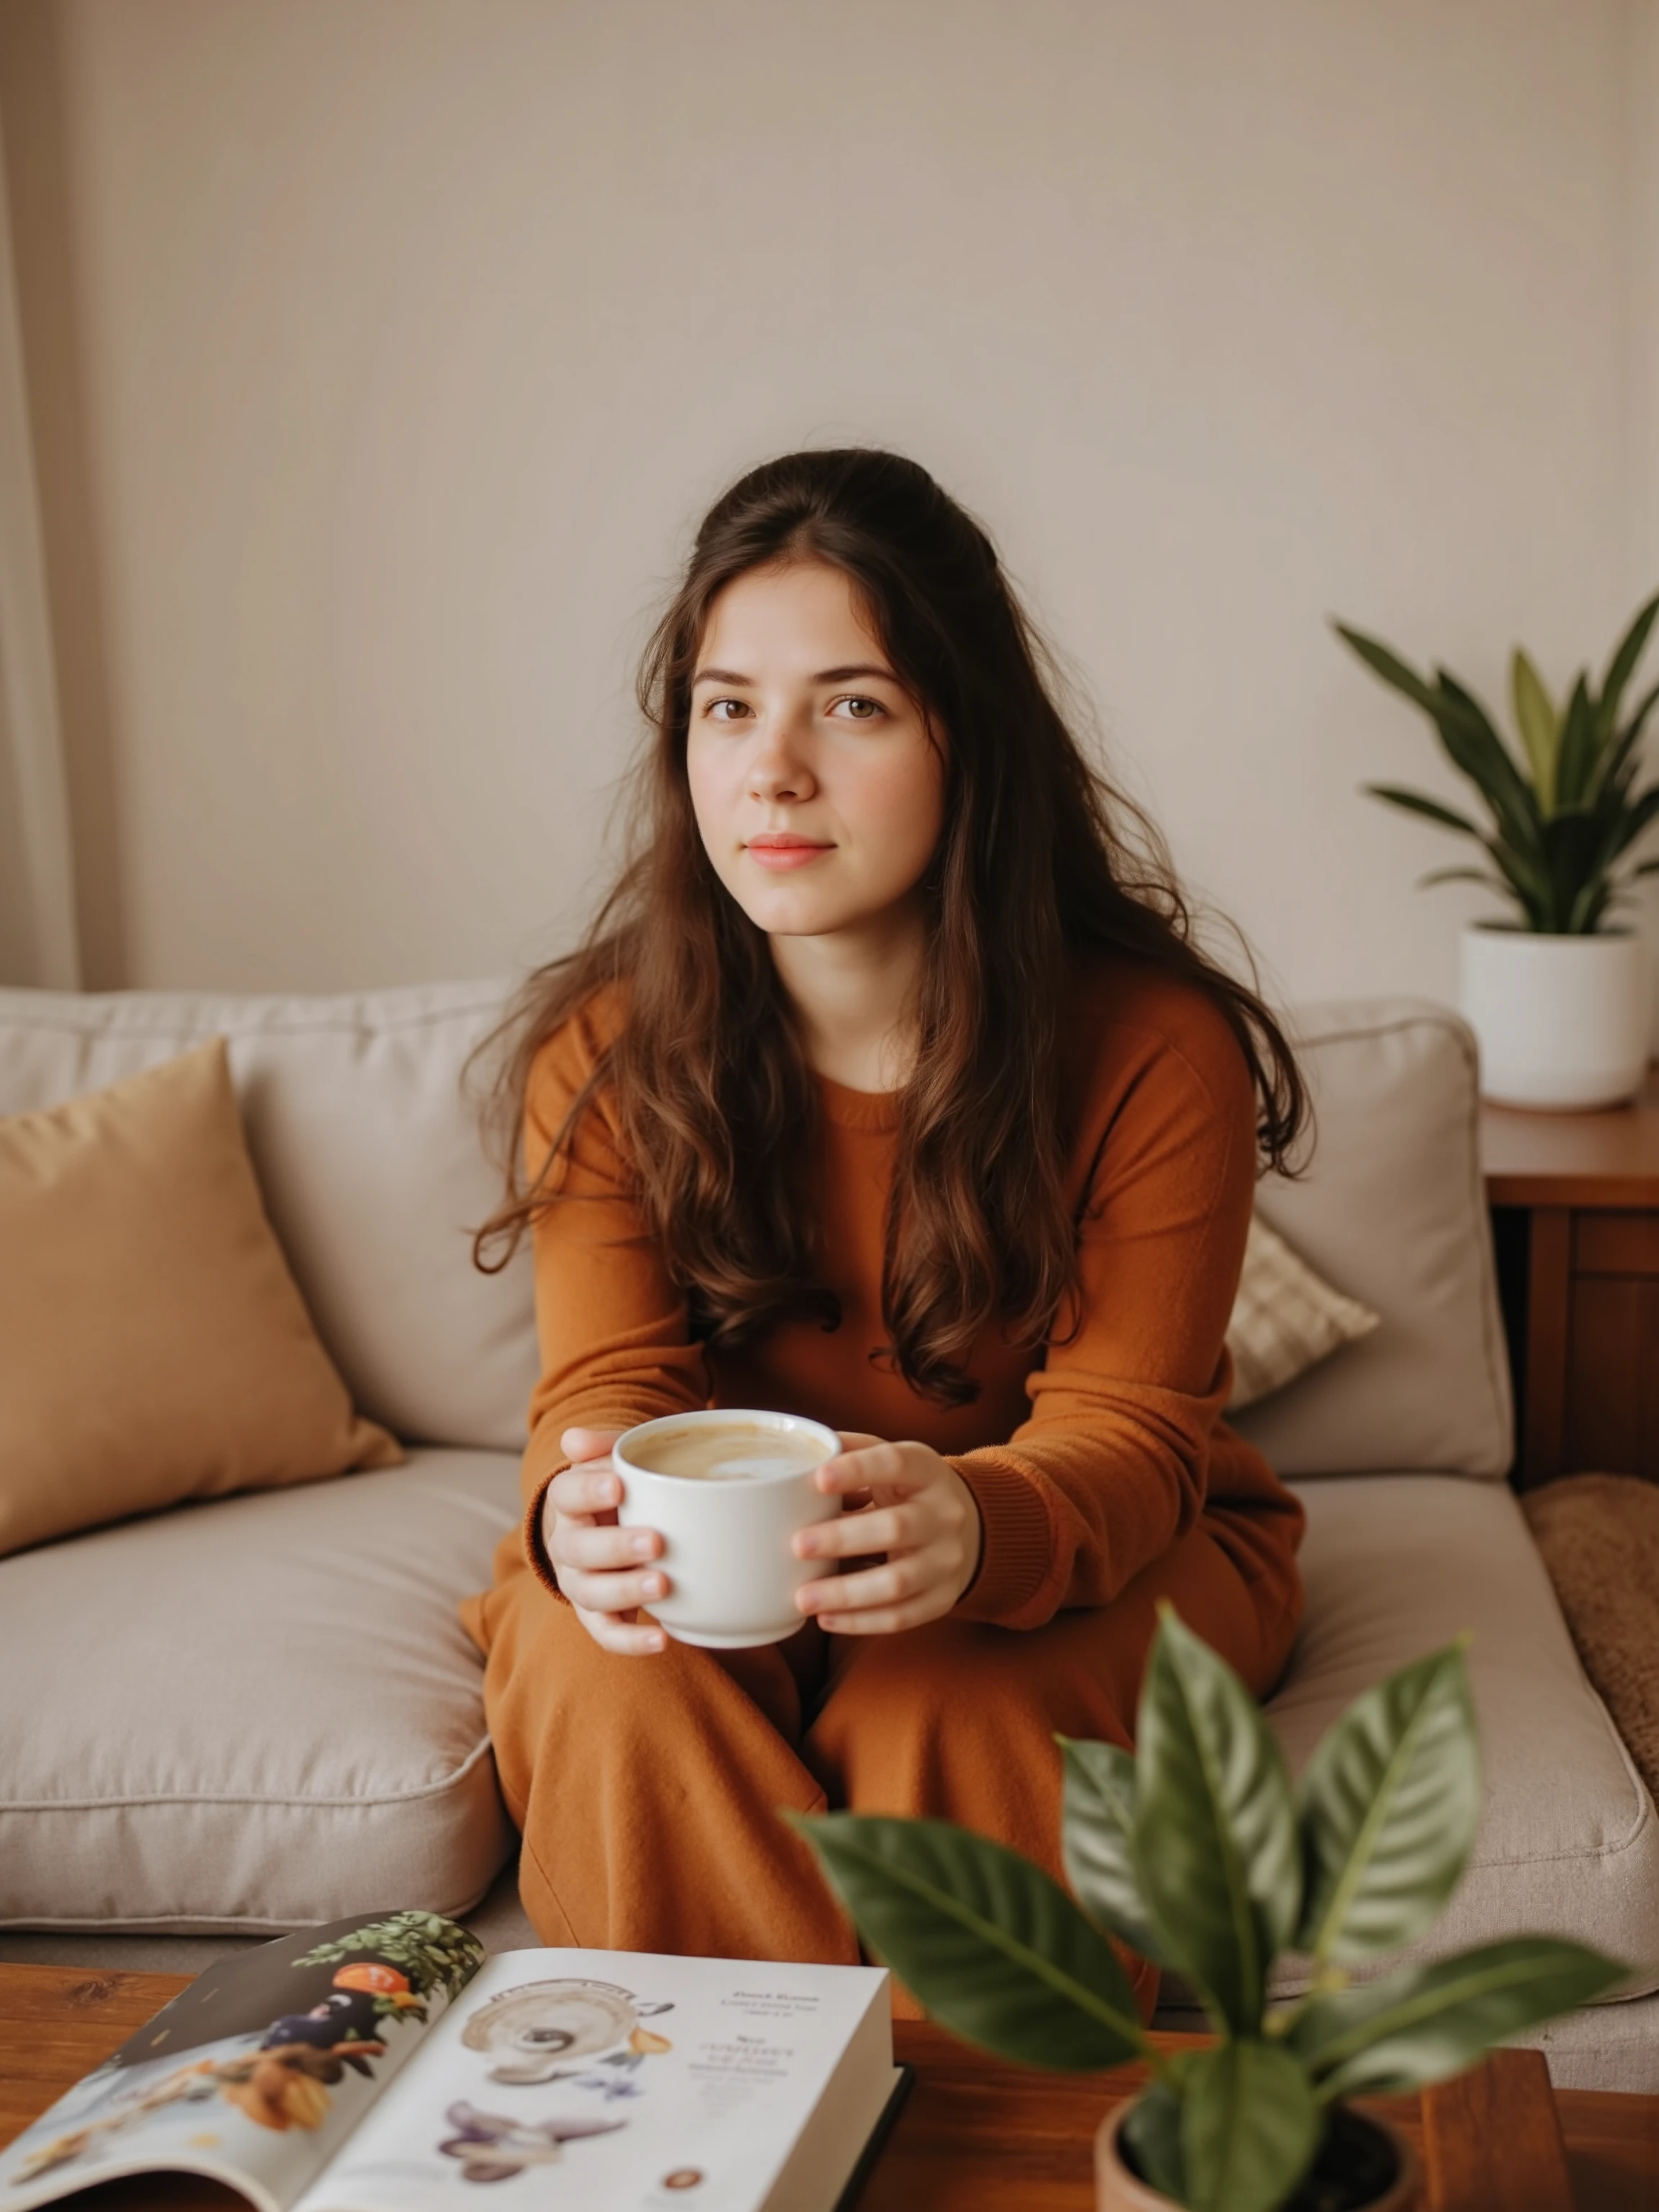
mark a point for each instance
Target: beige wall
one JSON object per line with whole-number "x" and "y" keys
{"x": 386, "y": 351}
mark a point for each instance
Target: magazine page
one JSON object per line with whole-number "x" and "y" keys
{"x": 617, "y": 2081}
{"x": 258, "y": 2071}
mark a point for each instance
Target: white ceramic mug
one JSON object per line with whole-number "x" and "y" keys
{"x": 731, "y": 1573}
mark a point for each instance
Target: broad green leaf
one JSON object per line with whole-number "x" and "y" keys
{"x": 1153, "y": 2132}
{"x": 1580, "y": 747}
{"x": 1414, "y": 802}
{"x": 1216, "y": 1846}
{"x": 995, "y": 1950}
{"x": 1616, "y": 755}
{"x": 1250, "y": 2127}
{"x": 1575, "y": 845}
{"x": 1622, "y": 666}
{"x": 1463, "y": 876}
{"x": 1540, "y": 726}
{"x": 1642, "y": 812}
{"x": 1389, "y": 667}
{"x": 1472, "y": 740}
{"x": 1098, "y": 1824}
{"x": 1390, "y": 1803}
{"x": 1422, "y": 2023}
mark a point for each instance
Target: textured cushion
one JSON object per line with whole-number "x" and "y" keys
{"x": 1393, "y": 1208}
{"x": 1599, "y": 1535}
{"x": 1286, "y": 1319}
{"x": 1568, "y": 1844}
{"x": 153, "y": 1346}
{"x": 255, "y": 1714}
{"x": 369, "y": 1162}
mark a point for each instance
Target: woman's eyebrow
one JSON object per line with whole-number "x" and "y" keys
{"x": 824, "y": 675}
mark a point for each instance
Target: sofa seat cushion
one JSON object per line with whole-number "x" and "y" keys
{"x": 1395, "y": 1566}
{"x": 255, "y": 1713}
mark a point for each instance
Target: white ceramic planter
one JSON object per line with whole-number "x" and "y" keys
{"x": 1563, "y": 1021}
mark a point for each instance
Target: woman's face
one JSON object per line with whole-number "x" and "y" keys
{"x": 818, "y": 789}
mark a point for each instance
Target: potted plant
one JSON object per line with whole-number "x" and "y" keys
{"x": 1197, "y": 1852}
{"x": 1558, "y": 993}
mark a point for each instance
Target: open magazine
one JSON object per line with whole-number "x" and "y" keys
{"x": 386, "y": 2065}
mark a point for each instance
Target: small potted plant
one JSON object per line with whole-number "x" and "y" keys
{"x": 1197, "y": 1852}
{"x": 1558, "y": 994}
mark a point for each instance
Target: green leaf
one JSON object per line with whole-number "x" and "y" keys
{"x": 1638, "y": 818}
{"x": 1389, "y": 667}
{"x": 995, "y": 1950}
{"x": 1414, "y": 802}
{"x": 1615, "y": 756}
{"x": 1250, "y": 2128}
{"x": 1581, "y": 748}
{"x": 1464, "y": 876}
{"x": 1216, "y": 1846}
{"x": 1097, "y": 1824}
{"x": 1622, "y": 666}
{"x": 1390, "y": 1801}
{"x": 1540, "y": 726}
{"x": 1422, "y": 2023}
{"x": 1152, "y": 2129}
{"x": 1472, "y": 743}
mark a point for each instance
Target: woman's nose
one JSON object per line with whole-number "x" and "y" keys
{"x": 778, "y": 767}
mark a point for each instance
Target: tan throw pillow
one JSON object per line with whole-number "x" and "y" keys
{"x": 1285, "y": 1318}
{"x": 153, "y": 1344}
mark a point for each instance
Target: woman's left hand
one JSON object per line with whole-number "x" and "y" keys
{"x": 906, "y": 1503}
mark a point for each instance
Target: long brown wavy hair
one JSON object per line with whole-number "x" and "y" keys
{"x": 1041, "y": 859}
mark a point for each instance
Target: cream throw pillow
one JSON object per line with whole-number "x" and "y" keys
{"x": 153, "y": 1344}
{"x": 1285, "y": 1318}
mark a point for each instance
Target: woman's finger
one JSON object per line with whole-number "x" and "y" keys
{"x": 589, "y": 1443}
{"x": 930, "y": 1604}
{"x": 872, "y": 1464}
{"x": 590, "y": 1545}
{"x": 884, "y": 1528}
{"x": 627, "y": 1639}
{"x": 581, "y": 1490}
{"x": 613, "y": 1592}
{"x": 890, "y": 1581}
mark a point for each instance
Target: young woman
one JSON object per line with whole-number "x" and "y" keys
{"x": 889, "y": 1089}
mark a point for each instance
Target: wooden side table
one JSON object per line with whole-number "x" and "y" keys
{"x": 1575, "y": 1201}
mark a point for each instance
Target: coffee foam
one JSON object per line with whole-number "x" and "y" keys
{"x": 741, "y": 1453}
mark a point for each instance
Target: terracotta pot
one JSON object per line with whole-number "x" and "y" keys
{"x": 1117, "y": 2189}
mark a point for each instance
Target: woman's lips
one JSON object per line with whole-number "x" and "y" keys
{"x": 785, "y": 852}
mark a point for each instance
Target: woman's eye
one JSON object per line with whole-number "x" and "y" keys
{"x": 716, "y": 709}
{"x": 862, "y": 710}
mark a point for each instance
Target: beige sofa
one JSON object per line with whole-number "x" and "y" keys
{"x": 253, "y": 1714}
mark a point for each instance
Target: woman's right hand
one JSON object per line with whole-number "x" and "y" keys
{"x": 602, "y": 1568}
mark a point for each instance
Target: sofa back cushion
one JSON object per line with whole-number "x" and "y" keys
{"x": 370, "y": 1165}
{"x": 1393, "y": 1210}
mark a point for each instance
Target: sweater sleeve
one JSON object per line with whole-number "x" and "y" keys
{"x": 611, "y": 1325}
{"x": 1111, "y": 1467}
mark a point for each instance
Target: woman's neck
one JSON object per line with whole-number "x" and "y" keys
{"x": 855, "y": 995}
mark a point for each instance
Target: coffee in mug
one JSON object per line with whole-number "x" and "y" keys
{"x": 726, "y": 1490}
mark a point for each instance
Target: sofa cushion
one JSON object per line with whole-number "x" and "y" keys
{"x": 1286, "y": 1319}
{"x": 153, "y": 1346}
{"x": 1393, "y": 1208}
{"x": 257, "y": 1713}
{"x": 370, "y": 1165}
{"x": 1395, "y": 1567}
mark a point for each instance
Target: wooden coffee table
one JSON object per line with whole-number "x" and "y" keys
{"x": 974, "y": 2136}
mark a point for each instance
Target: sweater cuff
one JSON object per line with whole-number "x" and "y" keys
{"x": 1016, "y": 1540}
{"x": 534, "y": 1550}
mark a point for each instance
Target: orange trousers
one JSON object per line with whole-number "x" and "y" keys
{"x": 648, "y": 1790}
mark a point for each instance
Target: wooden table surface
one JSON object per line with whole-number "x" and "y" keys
{"x": 1609, "y": 1159}
{"x": 975, "y": 2135}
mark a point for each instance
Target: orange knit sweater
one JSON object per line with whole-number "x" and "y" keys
{"x": 1087, "y": 1459}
